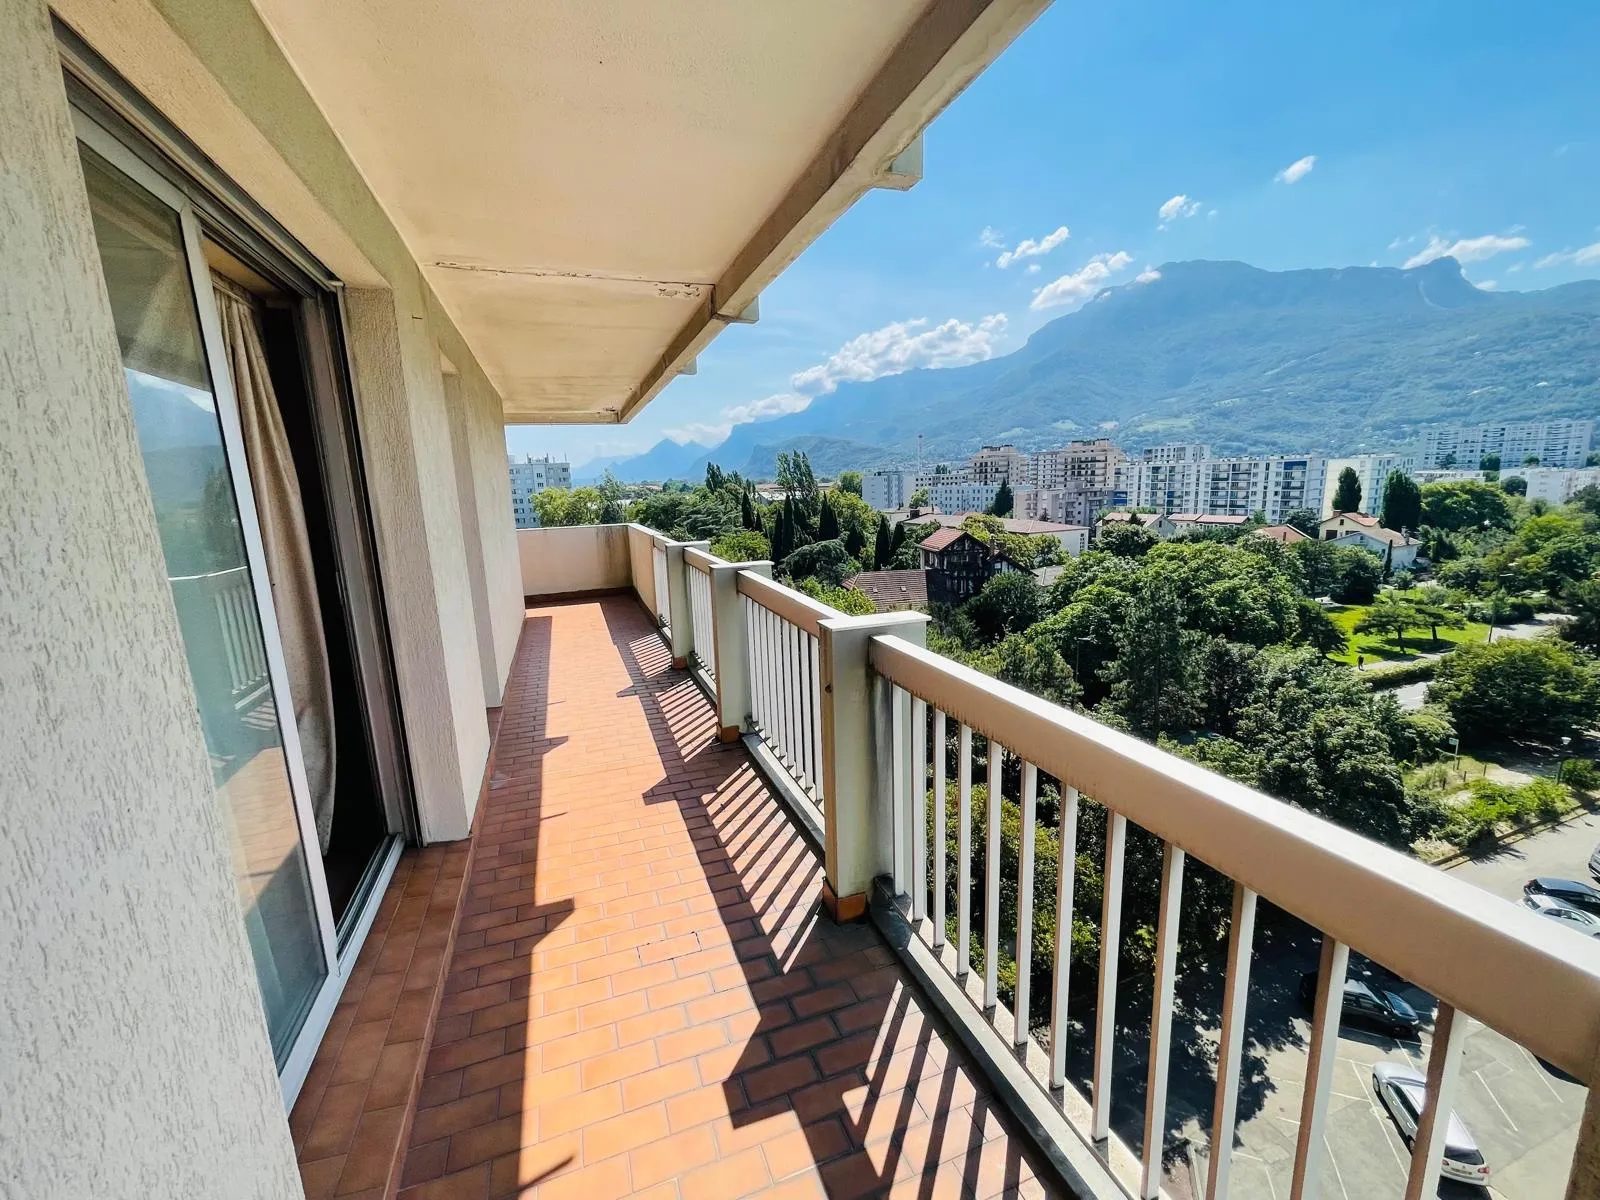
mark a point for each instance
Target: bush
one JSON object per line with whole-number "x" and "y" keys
{"x": 1519, "y": 687}
{"x": 1581, "y": 774}
{"x": 744, "y": 545}
{"x": 1380, "y": 679}
{"x": 1494, "y": 805}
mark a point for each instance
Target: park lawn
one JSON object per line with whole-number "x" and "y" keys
{"x": 1379, "y": 648}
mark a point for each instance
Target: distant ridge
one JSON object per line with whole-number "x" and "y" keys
{"x": 1335, "y": 361}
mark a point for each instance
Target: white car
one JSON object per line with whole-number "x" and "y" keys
{"x": 1558, "y": 910}
{"x": 1403, "y": 1090}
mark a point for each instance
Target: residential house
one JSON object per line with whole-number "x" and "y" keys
{"x": 1398, "y": 550}
{"x": 1341, "y": 523}
{"x": 1284, "y": 535}
{"x": 1073, "y": 539}
{"x": 895, "y": 591}
{"x": 960, "y": 564}
{"x": 1171, "y": 525}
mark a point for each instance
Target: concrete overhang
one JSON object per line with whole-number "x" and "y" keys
{"x": 593, "y": 190}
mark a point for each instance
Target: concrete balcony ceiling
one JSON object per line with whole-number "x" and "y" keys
{"x": 594, "y": 190}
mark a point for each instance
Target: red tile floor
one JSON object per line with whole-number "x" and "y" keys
{"x": 643, "y": 997}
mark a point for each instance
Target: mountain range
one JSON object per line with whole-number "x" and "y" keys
{"x": 1330, "y": 361}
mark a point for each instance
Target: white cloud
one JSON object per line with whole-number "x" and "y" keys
{"x": 1297, "y": 170}
{"x": 1486, "y": 285}
{"x": 1148, "y": 275}
{"x": 1072, "y": 290}
{"x": 903, "y": 346}
{"x": 1179, "y": 207}
{"x": 1584, "y": 256}
{"x": 991, "y": 237}
{"x": 1033, "y": 268}
{"x": 1514, "y": 268}
{"x": 1028, "y": 248}
{"x": 1466, "y": 249}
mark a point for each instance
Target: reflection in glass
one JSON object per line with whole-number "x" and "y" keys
{"x": 175, "y": 415}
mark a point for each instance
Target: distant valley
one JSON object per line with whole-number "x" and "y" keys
{"x": 1335, "y": 361}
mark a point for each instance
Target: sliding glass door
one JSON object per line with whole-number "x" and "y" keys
{"x": 187, "y": 421}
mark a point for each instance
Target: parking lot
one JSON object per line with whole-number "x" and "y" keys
{"x": 1524, "y": 1116}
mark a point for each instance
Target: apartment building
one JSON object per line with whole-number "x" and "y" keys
{"x": 1556, "y": 443}
{"x": 997, "y": 464}
{"x": 949, "y": 488}
{"x": 529, "y": 477}
{"x": 1555, "y": 485}
{"x": 1372, "y": 470}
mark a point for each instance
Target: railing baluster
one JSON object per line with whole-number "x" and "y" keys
{"x": 785, "y": 664}
{"x": 816, "y": 720}
{"x": 964, "y": 851}
{"x": 938, "y": 828}
{"x": 1066, "y": 872}
{"x": 1444, "y": 1068}
{"x": 1105, "y": 1033}
{"x": 918, "y": 816}
{"x": 800, "y": 664}
{"x": 897, "y": 768}
{"x": 1311, "y": 1145}
{"x": 1241, "y": 936}
{"x": 1155, "y": 1094}
{"x": 991, "y": 881}
{"x": 1030, "y": 808}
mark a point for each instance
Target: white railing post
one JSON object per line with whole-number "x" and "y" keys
{"x": 732, "y": 647}
{"x": 856, "y": 748}
{"x": 678, "y": 617}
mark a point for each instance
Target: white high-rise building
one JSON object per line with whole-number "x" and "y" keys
{"x": 1558, "y": 443}
{"x": 532, "y": 475}
{"x": 1373, "y": 470}
{"x": 996, "y": 464}
{"x": 887, "y": 490}
{"x": 1555, "y": 485}
{"x": 1274, "y": 485}
{"x": 950, "y": 489}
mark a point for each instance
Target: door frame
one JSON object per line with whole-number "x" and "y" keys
{"x": 121, "y": 149}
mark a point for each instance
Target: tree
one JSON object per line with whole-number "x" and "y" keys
{"x": 1390, "y": 616}
{"x": 827, "y": 522}
{"x": 1126, "y": 539}
{"x": 1007, "y": 603}
{"x": 1514, "y": 485}
{"x": 855, "y": 542}
{"x": 846, "y": 600}
{"x": 1531, "y": 461}
{"x": 1155, "y": 674}
{"x": 1315, "y": 628}
{"x": 829, "y": 563}
{"x": 1517, "y": 687}
{"x": 747, "y": 511}
{"x": 1465, "y": 504}
{"x": 1347, "y": 493}
{"x": 897, "y": 538}
{"x": 561, "y": 506}
{"x": 1582, "y": 600}
{"x": 1003, "y": 500}
{"x": 1592, "y": 459}
{"x": 1305, "y": 520}
{"x": 744, "y": 546}
{"x": 850, "y": 481}
{"x": 610, "y": 489}
{"x": 919, "y": 500}
{"x": 1402, "y": 502}
{"x": 1437, "y": 617}
{"x": 883, "y": 548}
{"x": 1489, "y": 462}
{"x": 1356, "y": 574}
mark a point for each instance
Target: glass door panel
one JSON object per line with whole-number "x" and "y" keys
{"x": 194, "y": 483}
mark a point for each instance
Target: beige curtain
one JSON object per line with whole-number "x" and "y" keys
{"x": 283, "y": 533}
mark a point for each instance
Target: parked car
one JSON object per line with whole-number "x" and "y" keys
{"x": 1568, "y": 891}
{"x": 1369, "y": 1006}
{"x": 1594, "y": 863}
{"x": 1560, "y": 910}
{"x": 1403, "y": 1090}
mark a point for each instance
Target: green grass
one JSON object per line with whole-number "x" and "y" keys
{"x": 1377, "y": 648}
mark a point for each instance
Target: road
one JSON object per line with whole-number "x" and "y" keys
{"x": 1524, "y": 1117}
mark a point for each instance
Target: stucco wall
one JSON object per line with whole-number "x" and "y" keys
{"x": 213, "y": 68}
{"x": 574, "y": 558}
{"x": 134, "y": 1059}
{"x": 486, "y": 442}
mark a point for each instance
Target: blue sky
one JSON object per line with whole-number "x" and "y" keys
{"x": 1418, "y": 129}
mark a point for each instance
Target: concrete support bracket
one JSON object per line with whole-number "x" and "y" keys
{"x": 732, "y": 647}
{"x": 856, "y": 740}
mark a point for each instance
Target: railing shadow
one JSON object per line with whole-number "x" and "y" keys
{"x": 837, "y": 1037}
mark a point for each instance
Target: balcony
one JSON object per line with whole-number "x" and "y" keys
{"x": 714, "y": 939}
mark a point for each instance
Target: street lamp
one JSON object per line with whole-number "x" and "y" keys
{"x": 1561, "y": 763}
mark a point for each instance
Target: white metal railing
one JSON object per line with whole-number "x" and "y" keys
{"x": 221, "y": 605}
{"x": 698, "y": 581}
{"x": 867, "y": 723}
{"x": 781, "y": 627}
{"x": 1522, "y": 976}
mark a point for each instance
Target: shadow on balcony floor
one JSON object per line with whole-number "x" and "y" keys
{"x": 644, "y": 997}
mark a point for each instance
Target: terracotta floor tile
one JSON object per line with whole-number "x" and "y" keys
{"x": 644, "y": 992}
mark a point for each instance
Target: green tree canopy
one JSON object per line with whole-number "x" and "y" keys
{"x": 1306, "y": 520}
{"x": 1155, "y": 676}
{"x": 743, "y": 545}
{"x": 850, "y": 481}
{"x": 1517, "y": 687}
{"x": 564, "y": 506}
{"x": 1465, "y": 504}
{"x": 1008, "y": 603}
{"x": 1402, "y": 502}
{"x": 1347, "y": 492}
{"x": 1003, "y": 500}
{"x": 829, "y": 563}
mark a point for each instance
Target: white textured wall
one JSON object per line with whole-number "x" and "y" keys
{"x": 134, "y": 1059}
{"x": 502, "y": 568}
{"x": 574, "y": 558}
{"x": 472, "y": 537}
